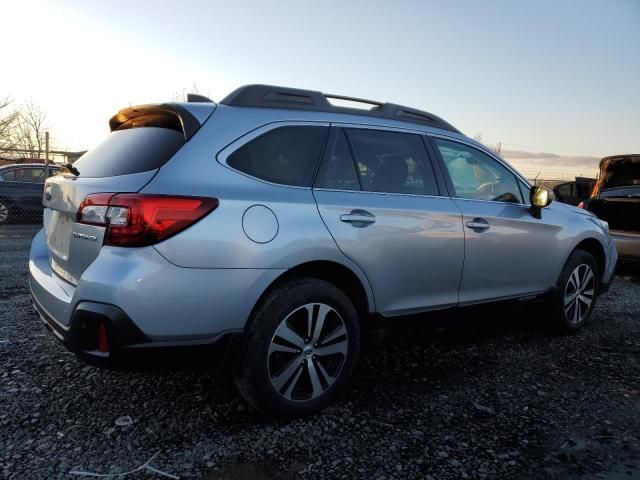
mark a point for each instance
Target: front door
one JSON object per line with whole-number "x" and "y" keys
{"x": 507, "y": 250}
{"x": 377, "y": 193}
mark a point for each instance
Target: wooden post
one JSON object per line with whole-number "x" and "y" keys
{"x": 46, "y": 149}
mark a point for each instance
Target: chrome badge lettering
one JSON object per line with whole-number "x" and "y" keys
{"x": 84, "y": 236}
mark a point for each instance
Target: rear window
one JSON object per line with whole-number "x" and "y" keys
{"x": 130, "y": 151}
{"x": 285, "y": 155}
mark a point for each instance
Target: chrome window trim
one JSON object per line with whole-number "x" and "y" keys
{"x": 389, "y": 128}
{"x": 222, "y": 156}
{"x": 417, "y": 195}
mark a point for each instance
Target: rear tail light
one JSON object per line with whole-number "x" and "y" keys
{"x": 136, "y": 220}
{"x": 581, "y": 205}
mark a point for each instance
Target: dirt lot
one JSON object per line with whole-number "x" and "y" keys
{"x": 482, "y": 393}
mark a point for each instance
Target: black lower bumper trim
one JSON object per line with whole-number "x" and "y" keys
{"x": 129, "y": 347}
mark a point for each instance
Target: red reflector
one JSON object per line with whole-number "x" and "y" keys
{"x": 136, "y": 220}
{"x": 103, "y": 341}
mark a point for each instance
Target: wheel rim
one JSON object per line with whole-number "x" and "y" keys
{"x": 4, "y": 212}
{"x": 307, "y": 352}
{"x": 578, "y": 294}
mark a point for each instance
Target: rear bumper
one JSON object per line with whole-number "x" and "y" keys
{"x": 146, "y": 303}
{"x": 627, "y": 244}
{"x": 127, "y": 347}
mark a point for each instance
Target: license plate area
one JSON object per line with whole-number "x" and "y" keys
{"x": 58, "y": 231}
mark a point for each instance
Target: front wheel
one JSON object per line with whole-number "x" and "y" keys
{"x": 300, "y": 348}
{"x": 577, "y": 292}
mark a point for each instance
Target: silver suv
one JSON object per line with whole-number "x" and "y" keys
{"x": 275, "y": 224}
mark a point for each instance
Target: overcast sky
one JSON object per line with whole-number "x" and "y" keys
{"x": 556, "y": 81}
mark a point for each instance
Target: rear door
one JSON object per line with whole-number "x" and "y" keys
{"x": 377, "y": 193}
{"x": 144, "y": 139}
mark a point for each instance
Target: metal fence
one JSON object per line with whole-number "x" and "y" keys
{"x": 21, "y": 190}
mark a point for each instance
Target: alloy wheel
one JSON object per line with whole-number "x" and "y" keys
{"x": 579, "y": 293}
{"x": 307, "y": 352}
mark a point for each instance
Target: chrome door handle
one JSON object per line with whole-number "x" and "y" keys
{"x": 478, "y": 224}
{"x": 358, "y": 217}
{"x": 349, "y": 217}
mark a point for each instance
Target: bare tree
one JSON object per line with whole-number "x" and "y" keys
{"x": 29, "y": 129}
{"x": 8, "y": 122}
{"x": 181, "y": 95}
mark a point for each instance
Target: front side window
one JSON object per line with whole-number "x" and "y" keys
{"x": 392, "y": 162}
{"x": 475, "y": 175}
{"x": 285, "y": 155}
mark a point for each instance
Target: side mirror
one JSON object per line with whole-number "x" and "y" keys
{"x": 539, "y": 198}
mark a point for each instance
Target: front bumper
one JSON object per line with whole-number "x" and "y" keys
{"x": 627, "y": 244}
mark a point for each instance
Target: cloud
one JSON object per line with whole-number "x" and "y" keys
{"x": 551, "y": 159}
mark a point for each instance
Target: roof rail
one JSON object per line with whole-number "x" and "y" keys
{"x": 270, "y": 96}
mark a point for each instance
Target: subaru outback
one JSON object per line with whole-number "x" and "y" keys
{"x": 281, "y": 221}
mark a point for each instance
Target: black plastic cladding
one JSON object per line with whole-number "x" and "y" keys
{"x": 269, "y": 96}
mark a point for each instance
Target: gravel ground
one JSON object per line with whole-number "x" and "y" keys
{"x": 482, "y": 393}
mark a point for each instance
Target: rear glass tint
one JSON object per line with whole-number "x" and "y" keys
{"x": 286, "y": 155}
{"x": 130, "y": 151}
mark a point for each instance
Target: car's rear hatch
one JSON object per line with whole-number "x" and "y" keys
{"x": 143, "y": 139}
{"x": 617, "y": 193}
{"x": 622, "y": 213}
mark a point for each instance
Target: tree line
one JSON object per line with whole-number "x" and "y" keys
{"x": 22, "y": 129}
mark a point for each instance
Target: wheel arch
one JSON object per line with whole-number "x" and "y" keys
{"x": 343, "y": 277}
{"x": 595, "y": 248}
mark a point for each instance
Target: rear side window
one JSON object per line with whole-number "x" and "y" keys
{"x": 392, "y": 162}
{"x": 285, "y": 155}
{"x": 129, "y": 151}
{"x": 338, "y": 169}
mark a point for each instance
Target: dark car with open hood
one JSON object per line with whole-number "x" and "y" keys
{"x": 616, "y": 199}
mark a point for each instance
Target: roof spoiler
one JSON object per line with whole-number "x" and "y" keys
{"x": 174, "y": 116}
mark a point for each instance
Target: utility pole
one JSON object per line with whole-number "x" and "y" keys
{"x": 46, "y": 158}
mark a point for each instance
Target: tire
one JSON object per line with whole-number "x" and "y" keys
{"x": 570, "y": 312}
{"x": 5, "y": 212}
{"x": 298, "y": 376}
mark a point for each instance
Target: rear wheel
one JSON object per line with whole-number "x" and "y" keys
{"x": 300, "y": 348}
{"x": 577, "y": 292}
